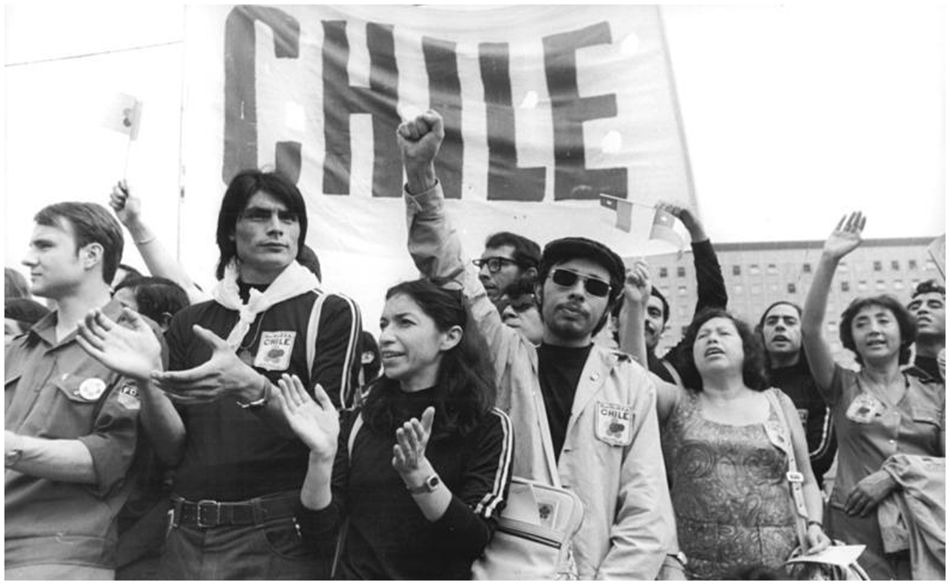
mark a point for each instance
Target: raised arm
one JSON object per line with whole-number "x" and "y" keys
{"x": 844, "y": 239}
{"x": 632, "y": 338}
{"x": 434, "y": 244}
{"x": 160, "y": 262}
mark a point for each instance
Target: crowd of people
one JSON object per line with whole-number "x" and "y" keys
{"x": 158, "y": 431}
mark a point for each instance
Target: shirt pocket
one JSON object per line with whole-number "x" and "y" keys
{"x": 73, "y": 406}
{"x": 926, "y": 418}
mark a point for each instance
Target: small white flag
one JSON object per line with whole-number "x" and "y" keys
{"x": 123, "y": 115}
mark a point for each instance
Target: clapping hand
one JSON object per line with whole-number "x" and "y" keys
{"x": 224, "y": 374}
{"x": 846, "y": 236}
{"x": 409, "y": 452}
{"x": 133, "y": 351}
{"x": 317, "y": 423}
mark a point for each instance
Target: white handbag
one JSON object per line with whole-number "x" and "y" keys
{"x": 534, "y": 534}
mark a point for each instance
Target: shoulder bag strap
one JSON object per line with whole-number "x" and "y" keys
{"x": 794, "y": 476}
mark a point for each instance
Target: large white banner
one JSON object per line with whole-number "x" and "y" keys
{"x": 545, "y": 107}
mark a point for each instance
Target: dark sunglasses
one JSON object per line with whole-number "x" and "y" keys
{"x": 494, "y": 263}
{"x": 593, "y": 286}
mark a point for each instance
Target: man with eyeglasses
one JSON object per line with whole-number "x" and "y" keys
{"x": 507, "y": 257}
{"x": 584, "y": 416}
{"x": 928, "y": 306}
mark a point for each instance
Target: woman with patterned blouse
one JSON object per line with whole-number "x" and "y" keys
{"x": 726, "y": 448}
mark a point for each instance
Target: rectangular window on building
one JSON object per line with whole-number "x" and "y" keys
{"x": 912, "y": 264}
{"x": 879, "y": 285}
{"x": 929, "y": 265}
{"x": 862, "y": 285}
{"x": 846, "y": 286}
{"x": 842, "y": 266}
{"x": 877, "y": 266}
{"x": 681, "y": 290}
{"x": 681, "y": 271}
{"x": 898, "y": 285}
{"x": 663, "y": 272}
{"x": 806, "y": 267}
{"x": 791, "y": 288}
{"x": 895, "y": 265}
{"x": 737, "y": 288}
{"x": 736, "y": 270}
{"x": 832, "y": 326}
{"x": 771, "y": 269}
{"x": 753, "y": 268}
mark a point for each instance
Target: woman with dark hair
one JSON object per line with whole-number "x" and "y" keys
{"x": 726, "y": 440}
{"x": 878, "y": 411}
{"x": 419, "y": 475}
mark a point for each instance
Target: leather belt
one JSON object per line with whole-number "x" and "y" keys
{"x": 212, "y": 513}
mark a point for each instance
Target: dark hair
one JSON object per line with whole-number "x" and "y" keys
{"x": 309, "y": 260}
{"x": 156, "y": 296}
{"x": 802, "y": 357}
{"x": 91, "y": 223}
{"x": 242, "y": 187}
{"x": 905, "y": 321}
{"x": 929, "y": 286}
{"x": 130, "y": 272}
{"x": 666, "y": 306}
{"x": 520, "y": 288}
{"x": 26, "y": 312}
{"x": 465, "y": 385}
{"x": 15, "y": 285}
{"x": 527, "y": 253}
{"x": 368, "y": 343}
{"x": 753, "y": 363}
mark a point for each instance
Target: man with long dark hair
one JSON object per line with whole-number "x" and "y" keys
{"x": 583, "y": 416}
{"x": 239, "y": 466}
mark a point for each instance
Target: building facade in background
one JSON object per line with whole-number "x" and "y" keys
{"x": 760, "y": 273}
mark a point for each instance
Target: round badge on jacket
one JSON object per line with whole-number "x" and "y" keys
{"x": 92, "y": 388}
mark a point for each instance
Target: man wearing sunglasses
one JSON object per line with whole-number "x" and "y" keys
{"x": 584, "y": 416}
{"x": 507, "y": 257}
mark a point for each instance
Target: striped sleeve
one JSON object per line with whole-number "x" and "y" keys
{"x": 336, "y": 362}
{"x": 476, "y": 503}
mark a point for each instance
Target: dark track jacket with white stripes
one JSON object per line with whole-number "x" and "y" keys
{"x": 233, "y": 454}
{"x": 387, "y": 536}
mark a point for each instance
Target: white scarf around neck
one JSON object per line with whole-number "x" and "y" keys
{"x": 293, "y": 281}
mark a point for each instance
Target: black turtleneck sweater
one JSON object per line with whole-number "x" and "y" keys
{"x": 559, "y": 371}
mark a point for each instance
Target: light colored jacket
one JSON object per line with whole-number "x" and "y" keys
{"x": 611, "y": 456}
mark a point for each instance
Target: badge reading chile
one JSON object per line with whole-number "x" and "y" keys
{"x": 91, "y": 389}
{"x": 614, "y": 424}
{"x": 274, "y": 351}
{"x": 864, "y": 408}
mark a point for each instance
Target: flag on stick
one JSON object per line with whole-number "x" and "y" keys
{"x": 662, "y": 229}
{"x": 938, "y": 251}
{"x": 123, "y": 115}
{"x": 622, "y": 208}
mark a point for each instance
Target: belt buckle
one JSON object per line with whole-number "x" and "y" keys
{"x": 795, "y": 477}
{"x": 217, "y": 513}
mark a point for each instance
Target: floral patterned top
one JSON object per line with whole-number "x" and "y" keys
{"x": 729, "y": 490}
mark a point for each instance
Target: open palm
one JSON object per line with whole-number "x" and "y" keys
{"x": 846, "y": 235}
{"x": 132, "y": 350}
{"x": 317, "y": 423}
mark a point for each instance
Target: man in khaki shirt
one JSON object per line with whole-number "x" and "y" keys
{"x": 71, "y": 423}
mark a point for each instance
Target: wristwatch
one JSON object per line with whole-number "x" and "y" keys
{"x": 427, "y": 487}
{"x": 260, "y": 402}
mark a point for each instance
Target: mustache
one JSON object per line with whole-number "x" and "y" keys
{"x": 574, "y": 307}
